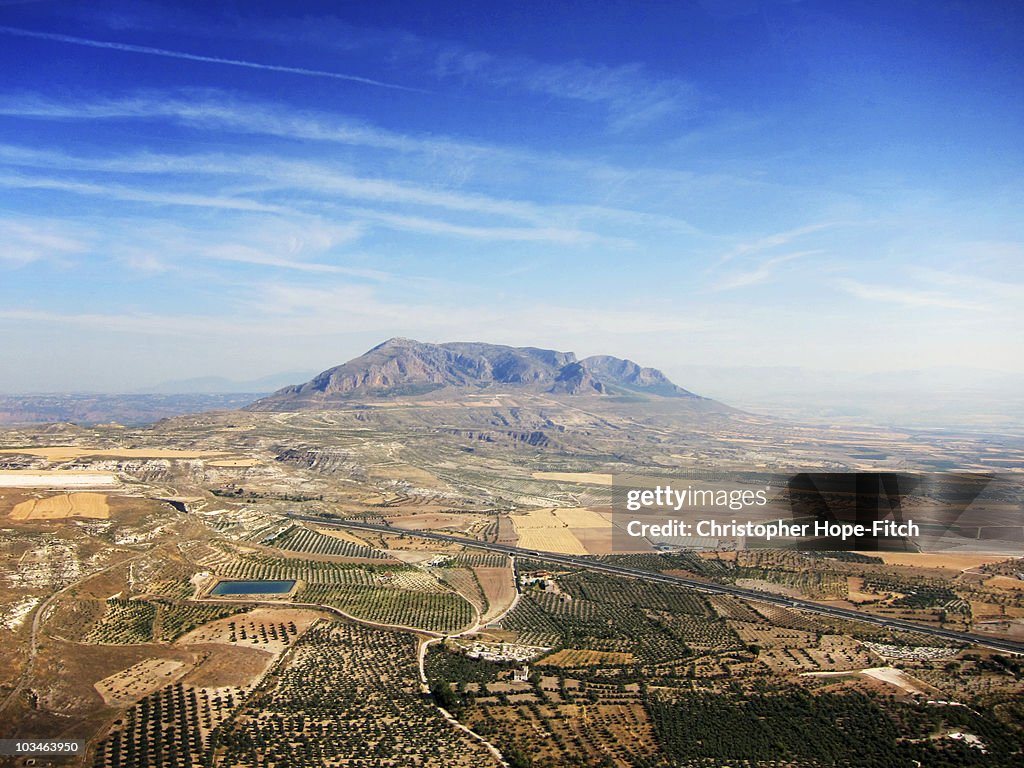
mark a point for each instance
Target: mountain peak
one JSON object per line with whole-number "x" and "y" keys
{"x": 397, "y": 341}
{"x": 403, "y": 367}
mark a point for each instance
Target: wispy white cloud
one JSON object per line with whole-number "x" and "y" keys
{"x": 301, "y": 246}
{"x": 451, "y": 158}
{"x": 131, "y": 194}
{"x": 150, "y": 51}
{"x": 632, "y": 95}
{"x": 244, "y": 254}
{"x": 424, "y": 225}
{"x": 315, "y": 176}
{"x": 220, "y": 110}
{"x": 26, "y": 240}
{"x": 278, "y": 312}
{"x": 987, "y": 289}
{"x": 320, "y": 177}
{"x": 908, "y": 297}
{"x": 775, "y": 240}
{"x": 211, "y": 109}
{"x": 152, "y": 246}
{"x": 303, "y": 310}
{"x": 760, "y": 273}
{"x": 419, "y": 224}
{"x": 278, "y": 173}
{"x": 141, "y": 260}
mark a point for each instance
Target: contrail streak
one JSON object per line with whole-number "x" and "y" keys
{"x": 196, "y": 57}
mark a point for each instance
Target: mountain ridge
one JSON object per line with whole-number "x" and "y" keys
{"x": 405, "y": 367}
{"x": 222, "y": 385}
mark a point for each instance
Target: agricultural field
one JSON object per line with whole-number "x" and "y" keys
{"x": 499, "y": 588}
{"x": 590, "y": 698}
{"x": 564, "y": 530}
{"x": 308, "y": 541}
{"x": 588, "y": 478}
{"x": 92, "y": 505}
{"x": 392, "y": 594}
{"x": 261, "y": 565}
{"x": 269, "y": 629}
{"x": 345, "y": 695}
{"x": 435, "y": 522}
{"x": 471, "y": 558}
{"x": 177, "y": 619}
{"x": 124, "y": 622}
{"x": 659, "y": 626}
{"x": 139, "y": 680}
{"x": 431, "y": 611}
{"x": 174, "y": 725}
{"x": 959, "y": 595}
{"x": 191, "y": 693}
{"x": 466, "y": 582}
{"x": 945, "y": 560}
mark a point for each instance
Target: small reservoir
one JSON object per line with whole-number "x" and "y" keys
{"x": 253, "y": 587}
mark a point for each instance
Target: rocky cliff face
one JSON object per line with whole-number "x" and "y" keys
{"x": 575, "y": 379}
{"x": 629, "y": 375}
{"x": 405, "y": 367}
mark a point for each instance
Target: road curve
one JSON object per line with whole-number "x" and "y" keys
{"x": 968, "y": 638}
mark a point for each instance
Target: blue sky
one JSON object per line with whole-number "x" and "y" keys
{"x": 242, "y": 188}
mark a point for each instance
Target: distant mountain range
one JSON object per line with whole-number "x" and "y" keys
{"x": 404, "y": 367}
{"x": 223, "y": 385}
{"x": 128, "y": 410}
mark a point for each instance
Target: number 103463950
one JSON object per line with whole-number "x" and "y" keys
{"x": 10, "y": 747}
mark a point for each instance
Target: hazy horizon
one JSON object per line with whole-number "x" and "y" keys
{"x": 988, "y": 401}
{"x": 187, "y": 191}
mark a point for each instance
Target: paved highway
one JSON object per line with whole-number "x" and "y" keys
{"x": 704, "y": 586}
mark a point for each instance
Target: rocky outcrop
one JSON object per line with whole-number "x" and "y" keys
{"x": 628, "y": 375}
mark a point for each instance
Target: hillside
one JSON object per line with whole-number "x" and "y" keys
{"x": 404, "y": 367}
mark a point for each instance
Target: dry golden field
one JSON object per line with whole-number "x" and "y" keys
{"x": 250, "y": 629}
{"x": 129, "y": 685}
{"x": 554, "y": 529}
{"x": 338, "y": 533}
{"x": 432, "y": 521}
{"x": 63, "y": 506}
{"x": 581, "y": 517}
{"x": 1005, "y": 582}
{"x": 499, "y": 589}
{"x": 956, "y": 560}
{"x": 542, "y": 530}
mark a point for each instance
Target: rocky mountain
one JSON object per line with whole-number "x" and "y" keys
{"x": 404, "y": 367}
{"x": 629, "y": 375}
